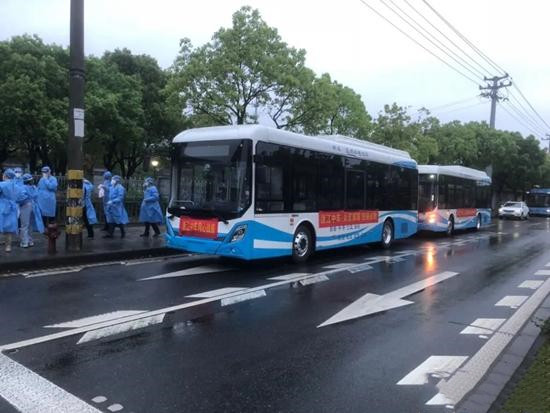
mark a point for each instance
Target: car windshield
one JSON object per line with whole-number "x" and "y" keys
{"x": 512, "y": 204}
{"x": 213, "y": 177}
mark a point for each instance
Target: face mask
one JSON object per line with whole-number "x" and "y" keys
{"x": 44, "y": 175}
{"x": 18, "y": 174}
{"x": 113, "y": 182}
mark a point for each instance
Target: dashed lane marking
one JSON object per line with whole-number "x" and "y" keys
{"x": 252, "y": 295}
{"x": 203, "y": 269}
{"x": 512, "y": 301}
{"x": 314, "y": 280}
{"x": 82, "y": 322}
{"x": 438, "y": 367}
{"x": 99, "y": 399}
{"x": 28, "y": 392}
{"x": 338, "y": 266}
{"x": 121, "y": 328}
{"x": 484, "y": 326}
{"x": 215, "y": 293}
{"x": 543, "y": 272}
{"x": 115, "y": 407}
{"x": 453, "y": 390}
{"x": 531, "y": 284}
{"x": 289, "y": 277}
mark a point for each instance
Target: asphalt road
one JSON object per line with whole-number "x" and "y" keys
{"x": 200, "y": 334}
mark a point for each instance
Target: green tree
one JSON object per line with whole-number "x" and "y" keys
{"x": 243, "y": 68}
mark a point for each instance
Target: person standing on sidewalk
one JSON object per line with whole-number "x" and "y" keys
{"x": 150, "y": 212}
{"x": 8, "y": 207}
{"x": 31, "y": 218}
{"x": 116, "y": 212}
{"x": 90, "y": 217}
{"x": 47, "y": 188}
{"x": 104, "y": 195}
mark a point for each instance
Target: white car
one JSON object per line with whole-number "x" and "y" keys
{"x": 514, "y": 210}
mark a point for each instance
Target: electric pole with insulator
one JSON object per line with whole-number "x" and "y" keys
{"x": 492, "y": 93}
{"x": 75, "y": 174}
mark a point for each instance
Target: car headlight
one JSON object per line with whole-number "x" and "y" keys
{"x": 238, "y": 234}
{"x": 500, "y": 211}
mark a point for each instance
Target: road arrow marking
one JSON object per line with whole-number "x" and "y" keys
{"x": 374, "y": 303}
{"x": 206, "y": 269}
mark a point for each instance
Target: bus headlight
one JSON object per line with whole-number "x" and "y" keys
{"x": 432, "y": 217}
{"x": 238, "y": 234}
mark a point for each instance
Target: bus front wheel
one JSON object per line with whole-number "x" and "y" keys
{"x": 387, "y": 234}
{"x": 302, "y": 246}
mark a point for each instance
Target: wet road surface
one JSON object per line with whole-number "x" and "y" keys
{"x": 355, "y": 330}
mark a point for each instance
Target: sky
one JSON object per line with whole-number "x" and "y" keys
{"x": 345, "y": 39}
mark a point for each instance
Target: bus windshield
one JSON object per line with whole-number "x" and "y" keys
{"x": 213, "y": 178}
{"x": 426, "y": 192}
{"x": 538, "y": 200}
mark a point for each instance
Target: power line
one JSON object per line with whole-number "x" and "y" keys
{"x": 528, "y": 114}
{"x": 533, "y": 126}
{"x": 529, "y": 103}
{"x": 460, "y": 108}
{"x": 419, "y": 44}
{"x": 484, "y": 69}
{"x": 519, "y": 120}
{"x": 468, "y": 66}
{"x": 468, "y": 42}
{"x": 427, "y": 38}
{"x": 458, "y": 102}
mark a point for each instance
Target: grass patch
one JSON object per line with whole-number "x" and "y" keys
{"x": 532, "y": 394}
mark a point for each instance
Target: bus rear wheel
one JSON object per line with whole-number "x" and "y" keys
{"x": 478, "y": 222}
{"x": 302, "y": 245}
{"x": 387, "y": 234}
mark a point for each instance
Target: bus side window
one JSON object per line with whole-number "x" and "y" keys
{"x": 442, "y": 192}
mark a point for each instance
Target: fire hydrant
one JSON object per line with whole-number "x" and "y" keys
{"x": 52, "y": 234}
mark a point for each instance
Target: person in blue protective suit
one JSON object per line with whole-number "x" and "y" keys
{"x": 90, "y": 217}
{"x": 116, "y": 212}
{"x": 9, "y": 210}
{"x": 47, "y": 188}
{"x": 104, "y": 195}
{"x": 18, "y": 175}
{"x": 150, "y": 212}
{"x": 31, "y": 218}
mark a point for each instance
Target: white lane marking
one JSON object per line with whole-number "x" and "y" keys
{"x": 512, "y": 301}
{"x": 543, "y": 272}
{"x": 531, "y": 284}
{"x": 242, "y": 297}
{"x": 338, "y": 266}
{"x": 82, "y": 322}
{"x": 160, "y": 311}
{"x": 484, "y": 326}
{"x": 453, "y": 390}
{"x": 205, "y": 269}
{"x": 288, "y": 277}
{"x": 216, "y": 293}
{"x": 115, "y": 407}
{"x": 121, "y": 328}
{"x": 28, "y": 392}
{"x": 374, "y": 303}
{"x": 99, "y": 399}
{"x": 438, "y": 367}
{"x": 314, "y": 280}
{"x": 359, "y": 268}
{"x": 67, "y": 270}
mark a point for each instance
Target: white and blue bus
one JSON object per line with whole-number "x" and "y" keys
{"x": 538, "y": 201}
{"x": 255, "y": 192}
{"x": 453, "y": 197}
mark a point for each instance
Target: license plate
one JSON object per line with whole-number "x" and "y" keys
{"x": 203, "y": 228}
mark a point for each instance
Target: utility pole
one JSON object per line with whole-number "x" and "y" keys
{"x": 547, "y": 139}
{"x": 492, "y": 92}
{"x": 75, "y": 174}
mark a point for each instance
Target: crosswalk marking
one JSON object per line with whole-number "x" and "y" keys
{"x": 512, "y": 301}
{"x": 543, "y": 272}
{"x": 531, "y": 284}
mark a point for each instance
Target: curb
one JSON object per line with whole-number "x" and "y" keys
{"x": 85, "y": 258}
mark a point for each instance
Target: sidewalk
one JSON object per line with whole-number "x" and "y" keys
{"x": 93, "y": 250}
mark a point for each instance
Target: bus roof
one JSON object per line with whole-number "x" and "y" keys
{"x": 454, "y": 170}
{"x": 539, "y": 191}
{"x": 337, "y": 144}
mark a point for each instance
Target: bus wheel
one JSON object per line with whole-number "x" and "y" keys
{"x": 450, "y": 226}
{"x": 387, "y": 234}
{"x": 478, "y": 222}
{"x": 302, "y": 246}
